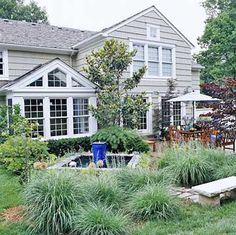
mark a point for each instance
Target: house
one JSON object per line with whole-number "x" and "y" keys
{"x": 41, "y": 69}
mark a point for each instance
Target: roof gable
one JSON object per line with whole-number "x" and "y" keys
{"x": 143, "y": 13}
{"x": 25, "y": 81}
{"x": 105, "y": 32}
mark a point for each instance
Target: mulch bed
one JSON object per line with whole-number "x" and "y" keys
{"x": 14, "y": 214}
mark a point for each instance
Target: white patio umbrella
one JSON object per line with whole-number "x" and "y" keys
{"x": 194, "y": 97}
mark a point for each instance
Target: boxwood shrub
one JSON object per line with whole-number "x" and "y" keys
{"x": 121, "y": 139}
{"x": 62, "y": 146}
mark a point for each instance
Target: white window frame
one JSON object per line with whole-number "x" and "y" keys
{"x": 160, "y": 46}
{"x": 5, "y": 75}
{"x": 157, "y": 28}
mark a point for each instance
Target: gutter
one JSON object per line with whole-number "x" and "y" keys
{"x": 38, "y": 49}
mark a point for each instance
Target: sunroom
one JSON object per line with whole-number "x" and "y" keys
{"x": 57, "y": 97}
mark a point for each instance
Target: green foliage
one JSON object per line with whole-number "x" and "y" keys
{"x": 192, "y": 163}
{"x": 62, "y": 146}
{"x": 121, "y": 139}
{"x": 153, "y": 202}
{"x": 18, "y": 10}
{"x": 12, "y": 123}
{"x": 19, "y": 153}
{"x": 131, "y": 180}
{"x": 103, "y": 189}
{"x": 50, "y": 200}
{"x": 218, "y": 41}
{"x": 98, "y": 219}
{"x": 106, "y": 68}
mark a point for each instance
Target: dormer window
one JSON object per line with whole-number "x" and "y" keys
{"x": 153, "y": 32}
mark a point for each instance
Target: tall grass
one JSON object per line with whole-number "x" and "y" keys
{"x": 101, "y": 220}
{"x": 102, "y": 189}
{"x": 153, "y": 202}
{"x": 131, "y": 180}
{"x": 192, "y": 163}
{"x": 50, "y": 201}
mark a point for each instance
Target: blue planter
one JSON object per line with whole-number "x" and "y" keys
{"x": 99, "y": 152}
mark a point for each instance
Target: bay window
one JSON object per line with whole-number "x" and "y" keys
{"x": 34, "y": 113}
{"x": 80, "y": 115}
{"x": 157, "y": 58}
{"x": 58, "y": 117}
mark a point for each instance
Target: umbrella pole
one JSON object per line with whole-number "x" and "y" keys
{"x": 193, "y": 111}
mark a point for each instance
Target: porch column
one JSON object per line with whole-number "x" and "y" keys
{"x": 70, "y": 131}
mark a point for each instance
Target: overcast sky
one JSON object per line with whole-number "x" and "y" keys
{"x": 187, "y": 15}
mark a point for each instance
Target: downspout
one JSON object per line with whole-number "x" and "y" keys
{"x": 72, "y": 54}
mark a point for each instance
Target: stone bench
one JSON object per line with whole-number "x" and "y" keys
{"x": 209, "y": 193}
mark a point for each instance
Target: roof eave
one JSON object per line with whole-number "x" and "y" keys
{"x": 38, "y": 49}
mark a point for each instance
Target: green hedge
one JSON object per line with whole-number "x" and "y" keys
{"x": 120, "y": 139}
{"x": 62, "y": 146}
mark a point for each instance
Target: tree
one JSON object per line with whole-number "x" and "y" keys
{"x": 18, "y": 10}
{"x": 107, "y": 68}
{"x": 218, "y": 40}
{"x": 223, "y": 115}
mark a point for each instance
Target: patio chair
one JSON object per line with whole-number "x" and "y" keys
{"x": 228, "y": 142}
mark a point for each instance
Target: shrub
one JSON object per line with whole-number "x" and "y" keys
{"x": 98, "y": 219}
{"x": 134, "y": 179}
{"x": 153, "y": 202}
{"x": 62, "y": 146}
{"x": 103, "y": 189}
{"x": 50, "y": 201}
{"x": 121, "y": 139}
{"x": 19, "y": 153}
{"x": 225, "y": 170}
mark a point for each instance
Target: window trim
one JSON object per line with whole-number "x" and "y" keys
{"x": 147, "y": 43}
{"x": 5, "y": 75}
{"x": 157, "y": 27}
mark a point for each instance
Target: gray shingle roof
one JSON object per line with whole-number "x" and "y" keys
{"x": 40, "y": 35}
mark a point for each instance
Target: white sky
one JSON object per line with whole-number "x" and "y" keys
{"x": 187, "y": 15}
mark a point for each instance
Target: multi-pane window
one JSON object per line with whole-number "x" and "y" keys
{"x": 153, "y": 61}
{"x": 80, "y": 115}
{"x": 58, "y": 117}
{"x": 1, "y": 63}
{"x": 37, "y": 83}
{"x": 56, "y": 78}
{"x": 177, "y": 113}
{"x": 143, "y": 121}
{"x": 165, "y": 111}
{"x": 166, "y": 62}
{"x": 153, "y": 32}
{"x": 138, "y": 61}
{"x": 34, "y": 113}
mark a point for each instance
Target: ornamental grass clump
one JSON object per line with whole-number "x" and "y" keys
{"x": 103, "y": 188}
{"x": 153, "y": 202}
{"x": 131, "y": 180}
{"x": 51, "y": 199}
{"x": 191, "y": 170}
{"x": 99, "y": 219}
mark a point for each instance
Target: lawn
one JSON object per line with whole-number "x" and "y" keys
{"x": 193, "y": 219}
{"x": 10, "y": 196}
